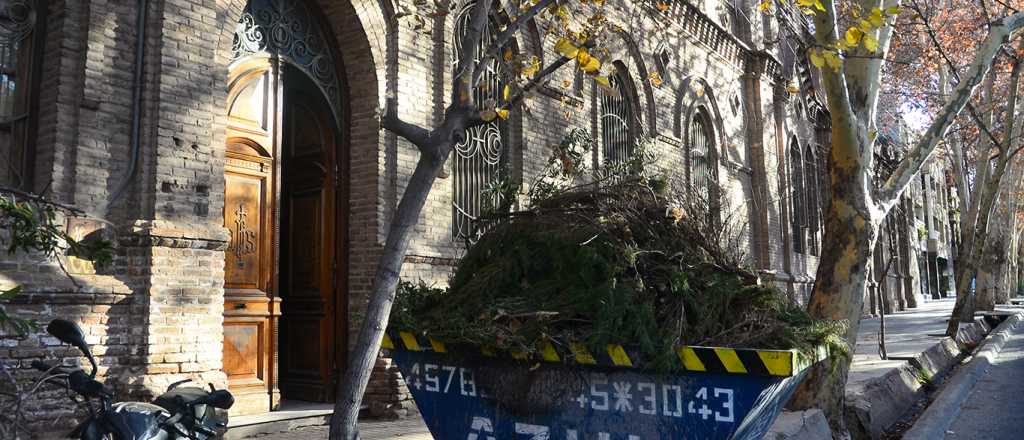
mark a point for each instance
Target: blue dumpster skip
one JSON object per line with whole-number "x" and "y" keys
{"x": 469, "y": 393}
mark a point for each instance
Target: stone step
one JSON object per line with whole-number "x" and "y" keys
{"x": 292, "y": 415}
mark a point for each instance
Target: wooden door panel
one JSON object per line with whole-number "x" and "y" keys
{"x": 305, "y": 244}
{"x": 243, "y": 343}
{"x": 244, "y": 204}
{"x": 309, "y": 334}
{"x": 303, "y": 359}
{"x": 249, "y": 334}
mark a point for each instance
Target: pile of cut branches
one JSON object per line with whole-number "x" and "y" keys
{"x": 622, "y": 263}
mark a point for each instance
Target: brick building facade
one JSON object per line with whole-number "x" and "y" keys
{"x": 188, "y": 131}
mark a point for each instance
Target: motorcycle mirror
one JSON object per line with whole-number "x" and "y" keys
{"x": 221, "y": 399}
{"x": 70, "y": 333}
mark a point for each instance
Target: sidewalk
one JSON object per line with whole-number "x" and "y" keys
{"x": 982, "y": 400}
{"x": 907, "y": 334}
{"x": 881, "y": 390}
{"x": 409, "y": 429}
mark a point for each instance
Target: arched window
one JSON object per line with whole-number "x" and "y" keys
{"x": 701, "y": 166}
{"x": 19, "y": 49}
{"x": 811, "y": 182}
{"x": 797, "y": 196}
{"x": 481, "y": 161}
{"x": 617, "y": 120}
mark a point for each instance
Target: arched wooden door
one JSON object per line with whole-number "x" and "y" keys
{"x": 313, "y": 326}
{"x": 283, "y": 278}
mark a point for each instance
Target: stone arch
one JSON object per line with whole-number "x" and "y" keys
{"x": 363, "y": 36}
{"x": 694, "y": 93}
{"x": 626, "y": 52}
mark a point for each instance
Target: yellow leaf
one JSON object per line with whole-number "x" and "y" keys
{"x": 893, "y": 10}
{"x": 502, "y": 113}
{"x": 833, "y": 61}
{"x": 865, "y": 26}
{"x": 592, "y": 65}
{"x": 817, "y": 59}
{"x": 506, "y": 92}
{"x": 876, "y": 20}
{"x": 819, "y": 6}
{"x": 853, "y": 36}
{"x": 531, "y": 68}
{"x": 508, "y": 55}
{"x": 565, "y": 48}
{"x": 764, "y": 5}
{"x": 655, "y": 78}
{"x": 870, "y": 43}
{"x": 662, "y": 6}
{"x": 582, "y": 57}
{"x": 805, "y": 3}
{"x": 606, "y": 86}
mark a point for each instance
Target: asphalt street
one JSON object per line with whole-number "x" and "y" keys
{"x": 995, "y": 407}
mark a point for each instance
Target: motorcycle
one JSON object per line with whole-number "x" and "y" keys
{"x": 180, "y": 413}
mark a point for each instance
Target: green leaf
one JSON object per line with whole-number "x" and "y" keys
{"x": 817, "y": 59}
{"x": 833, "y": 60}
{"x": 9, "y": 294}
{"x": 870, "y": 43}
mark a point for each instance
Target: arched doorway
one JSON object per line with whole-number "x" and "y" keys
{"x": 285, "y": 311}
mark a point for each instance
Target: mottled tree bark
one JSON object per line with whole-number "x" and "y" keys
{"x": 975, "y": 228}
{"x": 857, "y": 206}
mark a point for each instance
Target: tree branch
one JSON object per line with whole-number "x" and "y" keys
{"x": 411, "y": 132}
{"x": 40, "y": 199}
{"x": 862, "y": 68}
{"x": 504, "y": 36}
{"x": 972, "y": 111}
{"x": 912, "y": 162}
{"x": 536, "y": 80}
{"x": 838, "y": 93}
{"x": 462, "y": 81}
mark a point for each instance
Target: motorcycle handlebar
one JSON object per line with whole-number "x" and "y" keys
{"x": 42, "y": 366}
{"x": 76, "y": 379}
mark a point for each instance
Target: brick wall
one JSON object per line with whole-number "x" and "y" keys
{"x": 156, "y": 316}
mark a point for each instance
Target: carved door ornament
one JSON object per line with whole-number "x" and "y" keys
{"x": 243, "y": 239}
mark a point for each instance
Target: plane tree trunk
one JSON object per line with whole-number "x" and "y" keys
{"x": 857, "y": 205}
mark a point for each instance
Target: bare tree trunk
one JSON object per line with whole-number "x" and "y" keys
{"x": 851, "y": 230}
{"x": 351, "y": 389}
{"x": 857, "y": 205}
{"x": 976, "y": 228}
{"x": 971, "y": 253}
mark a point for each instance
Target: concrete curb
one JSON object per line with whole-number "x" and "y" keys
{"x": 875, "y": 404}
{"x": 944, "y": 409}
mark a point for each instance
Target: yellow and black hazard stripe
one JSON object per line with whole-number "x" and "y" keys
{"x": 782, "y": 363}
